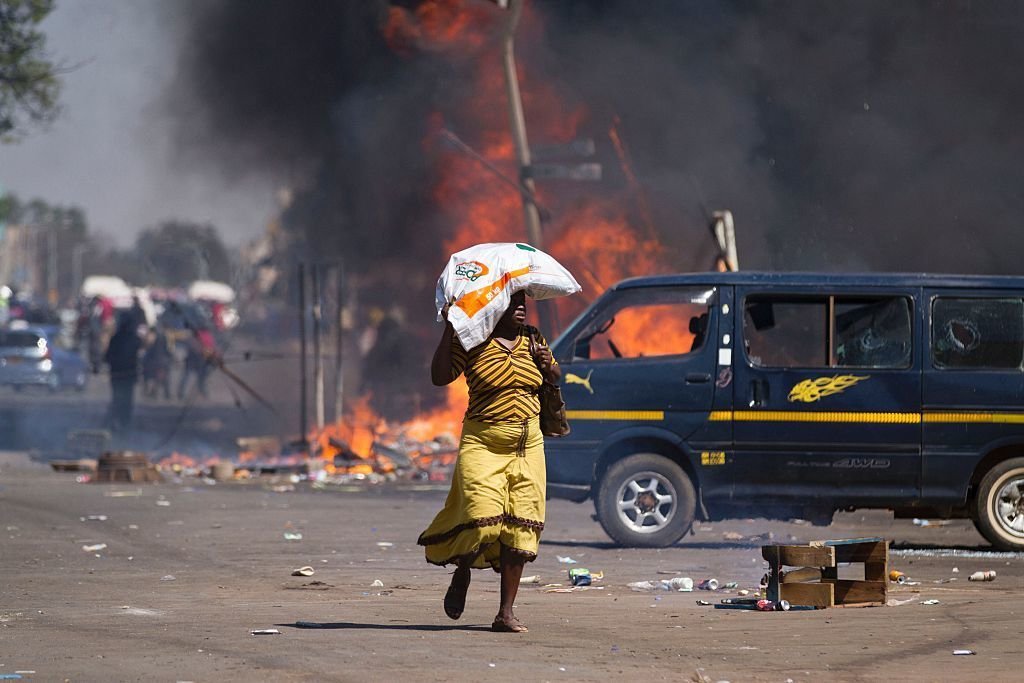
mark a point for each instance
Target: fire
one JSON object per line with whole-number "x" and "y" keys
{"x": 595, "y": 238}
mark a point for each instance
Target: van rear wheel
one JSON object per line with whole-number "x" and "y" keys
{"x": 999, "y": 508}
{"x": 645, "y": 501}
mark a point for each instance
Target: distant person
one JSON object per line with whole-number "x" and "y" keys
{"x": 200, "y": 356}
{"x": 156, "y": 365}
{"x": 123, "y": 358}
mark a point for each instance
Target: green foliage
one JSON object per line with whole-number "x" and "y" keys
{"x": 28, "y": 79}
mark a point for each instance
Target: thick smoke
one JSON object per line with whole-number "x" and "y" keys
{"x": 843, "y": 135}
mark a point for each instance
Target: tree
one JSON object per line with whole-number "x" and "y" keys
{"x": 28, "y": 79}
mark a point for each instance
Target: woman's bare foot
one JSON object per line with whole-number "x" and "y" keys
{"x": 508, "y": 625}
{"x": 455, "y": 597}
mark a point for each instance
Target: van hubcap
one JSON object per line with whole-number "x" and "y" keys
{"x": 646, "y": 502}
{"x": 1010, "y": 506}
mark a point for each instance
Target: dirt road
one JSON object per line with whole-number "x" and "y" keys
{"x": 189, "y": 570}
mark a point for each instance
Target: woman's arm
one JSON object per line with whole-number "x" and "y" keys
{"x": 548, "y": 367}
{"x": 441, "y": 365}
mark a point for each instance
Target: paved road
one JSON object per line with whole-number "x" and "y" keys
{"x": 109, "y": 615}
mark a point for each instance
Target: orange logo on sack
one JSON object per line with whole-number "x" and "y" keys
{"x": 470, "y": 270}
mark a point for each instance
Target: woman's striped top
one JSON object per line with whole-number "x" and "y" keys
{"x": 503, "y": 383}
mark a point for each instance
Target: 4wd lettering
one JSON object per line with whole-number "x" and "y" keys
{"x": 862, "y": 463}
{"x": 470, "y": 270}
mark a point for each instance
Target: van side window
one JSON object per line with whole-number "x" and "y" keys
{"x": 648, "y": 323}
{"x": 784, "y": 331}
{"x": 977, "y": 333}
{"x": 872, "y": 332}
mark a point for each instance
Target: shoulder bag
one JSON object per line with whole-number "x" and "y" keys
{"x": 553, "y": 421}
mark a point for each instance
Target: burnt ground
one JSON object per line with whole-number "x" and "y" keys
{"x": 69, "y": 614}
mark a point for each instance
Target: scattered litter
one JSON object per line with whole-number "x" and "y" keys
{"x": 491, "y": 664}
{"x": 123, "y": 494}
{"x": 982, "y": 576}
{"x": 896, "y": 576}
{"x": 731, "y": 585}
{"x": 732, "y": 536}
{"x": 573, "y": 589}
{"x": 93, "y": 518}
{"x": 931, "y": 522}
{"x": 703, "y": 602}
{"x": 312, "y": 586}
{"x": 579, "y": 576}
{"x": 303, "y": 571}
{"x": 164, "y": 503}
{"x": 10, "y": 677}
{"x": 930, "y": 602}
{"x": 168, "y": 577}
{"x": 683, "y": 584}
{"x": 956, "y": 570}
{"x": 896, "y": 602}
{"x": 956, "y": 552}
{"x": 385, "y": 544}
{"x": 964, "y": 652}
{"x": 743, "y": 591}
{"x": 94, "y": 548}
{"x": 529, "y": 579}
{"x": 708, "y": 585}
{"x": 265, "y": 632}
{"x": 292, "y": 536}
{"x": 377, "y": 583}
{"x": 566, "y": 560}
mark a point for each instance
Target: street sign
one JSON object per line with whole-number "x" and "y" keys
{"x": 584, "y": 172}
{"x": 577, "y": 149}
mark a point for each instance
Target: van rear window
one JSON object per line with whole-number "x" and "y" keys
{"x": 977, "y": 333}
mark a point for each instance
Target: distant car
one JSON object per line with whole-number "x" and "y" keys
{"x": 30, "y": 356}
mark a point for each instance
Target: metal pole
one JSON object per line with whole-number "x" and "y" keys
{"x": 339, "y": 374}
{"x": 51, "y": 266}
{"x": 76, "y": 269}
{"x": 522, "y": 147}
{"x": 303, "y": 442}
{"x": 318, "y": 359}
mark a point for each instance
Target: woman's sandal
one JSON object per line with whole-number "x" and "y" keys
{"x": 514, "y": 626}
{"x": 455, "y": 597}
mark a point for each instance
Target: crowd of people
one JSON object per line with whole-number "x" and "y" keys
{"x": 140, "y": 348}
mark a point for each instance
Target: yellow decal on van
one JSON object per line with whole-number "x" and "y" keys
{"x": 576, "y": 379}
{"x": 712, "y": 457}
{"x": 811, "y": 390}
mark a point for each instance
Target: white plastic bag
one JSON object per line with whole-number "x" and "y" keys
{"x": 479, "y": 283}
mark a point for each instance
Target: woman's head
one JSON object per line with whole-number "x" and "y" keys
{"x": 515, "y": 314}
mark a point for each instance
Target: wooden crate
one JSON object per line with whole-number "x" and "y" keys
{"x": 816, "y": 583}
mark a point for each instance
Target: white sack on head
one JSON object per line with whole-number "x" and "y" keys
{"x": 480, "y": 281}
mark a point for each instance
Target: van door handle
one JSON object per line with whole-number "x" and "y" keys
{"x": 758, "y": 393}
{"x": 698, "y": 378}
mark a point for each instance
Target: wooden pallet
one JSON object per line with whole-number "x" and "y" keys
{"x": 816, "y": 582}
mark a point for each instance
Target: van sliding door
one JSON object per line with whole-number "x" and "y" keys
{"x": 827, "y": 395}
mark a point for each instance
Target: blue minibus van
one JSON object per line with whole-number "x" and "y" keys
{"x": 794, "y": 395}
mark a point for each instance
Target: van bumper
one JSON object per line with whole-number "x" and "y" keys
{"x": 577, "y": 493}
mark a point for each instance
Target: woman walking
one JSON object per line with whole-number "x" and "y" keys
{"x": 494, "y": 512}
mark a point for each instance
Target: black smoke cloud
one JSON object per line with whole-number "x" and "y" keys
{"x": 844, "y": 135}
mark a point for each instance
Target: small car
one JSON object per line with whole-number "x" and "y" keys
{"x": 30, "y": 356}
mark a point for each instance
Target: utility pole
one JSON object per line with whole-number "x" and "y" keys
{"x": 303, "y": 421}
{"x": 318, "y": 358}
{"x": 522, "y": 147}
{"x": 339, "y": 374}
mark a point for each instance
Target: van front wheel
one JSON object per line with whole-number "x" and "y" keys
{"x": 645, "y": 501}
{"x": 999, "y": 512}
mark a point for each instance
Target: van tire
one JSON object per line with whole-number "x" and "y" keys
{"x": 662, "y": 496}
{"x": 999, "y": 506}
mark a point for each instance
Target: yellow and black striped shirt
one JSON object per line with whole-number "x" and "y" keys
{"x": 503, "y": 383}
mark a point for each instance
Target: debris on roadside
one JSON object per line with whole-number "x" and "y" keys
{"x": 534, "y": 578}
{"x": 303, "y": 571}
{"x": 265, "y": 632}
{"x": 94, "y": 548}
{"x": 565, "y": 560}
{"x": 982, "y": 576}
{"x": 933, "y": 601}
{"x": 964, "y": 652}
{"x": 93, "y": 518}
{"x": 292, "y": 536}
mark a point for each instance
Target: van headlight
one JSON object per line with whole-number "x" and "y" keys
{"x": 46, "y": 365}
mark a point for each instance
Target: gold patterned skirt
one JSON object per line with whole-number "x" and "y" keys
{"x": 496, "y": 498}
